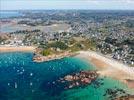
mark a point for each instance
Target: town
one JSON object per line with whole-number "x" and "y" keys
{"x": 54, "y": 32}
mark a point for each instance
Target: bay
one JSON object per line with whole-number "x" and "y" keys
{"x": 23, "y": 79}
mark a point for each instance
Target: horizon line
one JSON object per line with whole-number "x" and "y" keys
{"x": 70, "y": 9}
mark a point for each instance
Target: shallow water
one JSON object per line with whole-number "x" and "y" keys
{"x": 23, "y": 79}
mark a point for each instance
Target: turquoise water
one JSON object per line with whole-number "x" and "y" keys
{"x": 23, "y": 79}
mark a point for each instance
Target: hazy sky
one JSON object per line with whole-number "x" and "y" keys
{"x": 66, "y": 4}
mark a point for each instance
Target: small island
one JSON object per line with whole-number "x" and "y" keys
{"x": 81, "y": 78}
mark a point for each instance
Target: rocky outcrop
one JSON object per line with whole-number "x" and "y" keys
{"x": 81, "y": 78}
{"x": 40, "y": 58}
{"x": 117, "y": 94}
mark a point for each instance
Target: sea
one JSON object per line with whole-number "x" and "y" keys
{"x": 23, "y": 79}
{"x": 9, "y": 14}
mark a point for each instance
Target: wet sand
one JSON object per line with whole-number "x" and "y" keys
{"x": 109, "y": 67}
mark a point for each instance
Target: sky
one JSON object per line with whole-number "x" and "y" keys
{"x": 67, "y": 4}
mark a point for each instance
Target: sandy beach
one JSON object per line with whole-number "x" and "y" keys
{"x": 110, "y": 67}
{"x": 16, "y": 48}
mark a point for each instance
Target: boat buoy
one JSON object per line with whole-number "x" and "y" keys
{"x": 31, "y": 74}
{"x": 8, "y": 84}
{"x": 16, "y": 85}
{"x": 31, "y": 83}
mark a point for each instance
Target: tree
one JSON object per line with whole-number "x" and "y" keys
{"x": 59, "y": 44}
{"x": 46, "y": 52}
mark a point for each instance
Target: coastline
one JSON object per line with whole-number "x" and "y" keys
{"x": 41, "y": 58}
{"x": 105, "y": 66}
{"x": 109, "y": 67}
{"x": 9, "y": 48}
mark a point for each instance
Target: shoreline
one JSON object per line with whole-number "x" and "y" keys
{"x": 105, "y": 66}
{"x": 109, "y": 67}
{"x": 8, "y": 48}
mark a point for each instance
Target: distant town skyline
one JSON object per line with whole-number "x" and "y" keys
{"x": 67, "y": 4}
